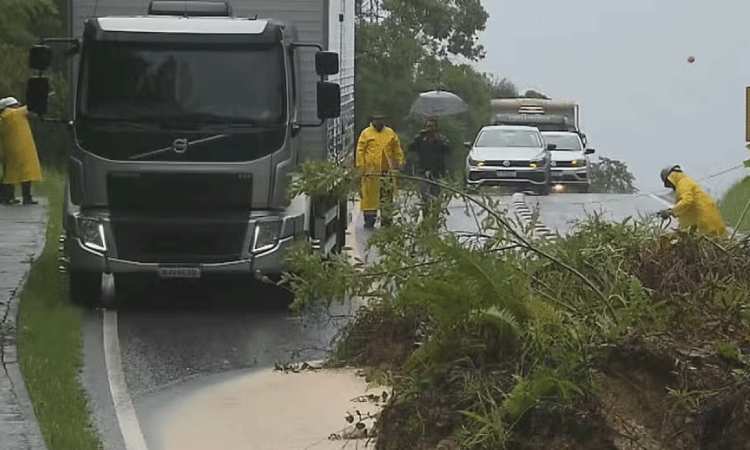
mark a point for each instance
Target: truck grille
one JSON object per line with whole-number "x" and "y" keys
{"x": 179, "y": 192}
{"x": 179, "y": 239}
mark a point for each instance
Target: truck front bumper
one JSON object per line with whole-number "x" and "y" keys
{"x": 89, "y": 260}
{"x": 91, "y": 245}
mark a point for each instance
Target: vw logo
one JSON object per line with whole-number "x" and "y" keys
{"x": 554, "y": 164}
{"x": 180, "y": 145}
{"x": 506, "y": 163}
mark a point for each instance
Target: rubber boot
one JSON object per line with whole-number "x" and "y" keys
{"x": 26, "y": 194}
{"x": 7, "y": 194}
{"x": 370, "y": 217}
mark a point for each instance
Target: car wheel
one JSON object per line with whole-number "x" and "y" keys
{"x": 85, "y": 288}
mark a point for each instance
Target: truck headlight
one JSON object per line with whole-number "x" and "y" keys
{"x": 91, "y": 233}
{"x": 266, "y": 235}
{"x": 579, "y": 162}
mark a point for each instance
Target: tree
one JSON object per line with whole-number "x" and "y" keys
{"x": 393, "y": 66}
{"x": 535, "y": 94}
{"x": 612, "y": 177}
{"x": 442, "y": 27}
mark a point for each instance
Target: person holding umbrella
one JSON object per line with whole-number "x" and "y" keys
{"x": 20, "y": 158}
{"x": 432, "y": 151}
{"x": 379, "y": 153}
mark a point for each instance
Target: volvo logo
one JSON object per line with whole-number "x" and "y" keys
{"x": 180, "y": 145}
{"x": 506, "y": 163}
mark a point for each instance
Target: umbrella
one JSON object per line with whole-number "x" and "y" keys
{"x": 438, "y": 103}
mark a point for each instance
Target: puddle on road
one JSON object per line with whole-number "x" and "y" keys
{"x": 269, "y": 410}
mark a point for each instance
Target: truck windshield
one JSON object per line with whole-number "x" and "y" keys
{"x": 178, "y": 83}
{"x": 508, "y": 138}
{"x": 568, "y": 142}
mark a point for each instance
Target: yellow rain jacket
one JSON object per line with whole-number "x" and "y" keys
{"x": 377, "y": 153}
{"x": 20, "y": 158}
{"x": 695, "y": 208}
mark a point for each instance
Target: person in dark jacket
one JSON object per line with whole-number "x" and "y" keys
{"x": 431, "y": 151}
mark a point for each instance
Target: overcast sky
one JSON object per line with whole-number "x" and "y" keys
{"x": 626, "y": 66}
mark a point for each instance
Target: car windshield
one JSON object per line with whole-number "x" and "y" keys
{"x": 508, "y": 138}
{"x": 569, "y": 142}
{"x": 177, "y": 82}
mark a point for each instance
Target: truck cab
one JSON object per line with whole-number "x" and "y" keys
{"x": 186, "y": 124}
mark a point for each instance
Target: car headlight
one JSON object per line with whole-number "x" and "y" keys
{"x": 91, "y": 233}
{"x": 539, "y": 162}
{"x": 475, "y": 162}
{"x": 266, "y": 235}
{"x": 579, "y": 162}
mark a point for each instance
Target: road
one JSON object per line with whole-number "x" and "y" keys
{"x": 559, "y": 212}
{"x": 170, "y": 346}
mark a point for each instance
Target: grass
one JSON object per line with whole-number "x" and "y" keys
{"x": 49, "y": 345}
{"x": 734, "y": 202}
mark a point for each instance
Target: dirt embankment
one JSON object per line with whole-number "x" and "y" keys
{"x": 677, "y": 379}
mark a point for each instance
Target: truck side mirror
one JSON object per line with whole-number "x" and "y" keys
{"x": 40, "y": 57}
{"x": 551, "y": 146}
{"x": 326, "y": 63}
{"x": 329, "y": 100}
{"x": 37, "y": 94}
{"x": 589, "y": 151}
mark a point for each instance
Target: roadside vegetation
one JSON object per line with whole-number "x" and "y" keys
{"x": 733, "y": 204}
{"x": 49, "y": 328}
{"x": 49, "y": 345}
{"x": 618, "y": 336}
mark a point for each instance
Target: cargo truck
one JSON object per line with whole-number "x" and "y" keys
{"x": 546, "y": 115}
{"x": 189, "y": 120}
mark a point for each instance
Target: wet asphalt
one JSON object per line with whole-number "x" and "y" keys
{"x": 175, "y": 340}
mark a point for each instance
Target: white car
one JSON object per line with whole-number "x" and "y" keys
{"x": 509, "y": 155}
{"x": 571, "y": 168}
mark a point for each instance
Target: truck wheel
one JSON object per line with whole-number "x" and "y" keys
{"x": 543, "y": 190}
{"x": 584, "y": 189}
{"x": 85, "y": 288}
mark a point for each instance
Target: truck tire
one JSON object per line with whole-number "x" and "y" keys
{"x": 543, "y": 189}
{"x": 85, "y": 288}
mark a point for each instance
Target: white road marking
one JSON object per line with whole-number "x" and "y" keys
{"x": 126, "y": 416}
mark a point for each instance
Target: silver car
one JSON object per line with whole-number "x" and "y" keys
{"x": 509, "y": 155}
{"x": 571, "y": 168}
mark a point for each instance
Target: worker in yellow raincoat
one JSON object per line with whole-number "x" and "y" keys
{"x": 693, "y": 206}
{"x": 20, "y": 159}
{"x": 379, "y": 153}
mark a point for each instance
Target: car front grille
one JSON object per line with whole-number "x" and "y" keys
{"x": 511, "y": 163}
{"x": 535, "y": 176}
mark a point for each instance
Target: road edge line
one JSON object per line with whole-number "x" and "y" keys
{"x": 130, "y": 427}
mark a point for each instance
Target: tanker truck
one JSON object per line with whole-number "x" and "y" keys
{"x": 189, "y": 119}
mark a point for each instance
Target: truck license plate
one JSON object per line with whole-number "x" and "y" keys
{"x": 506, "y": 174}
{"x": 557, "y": 173}
{"x": 179, "y": 272}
